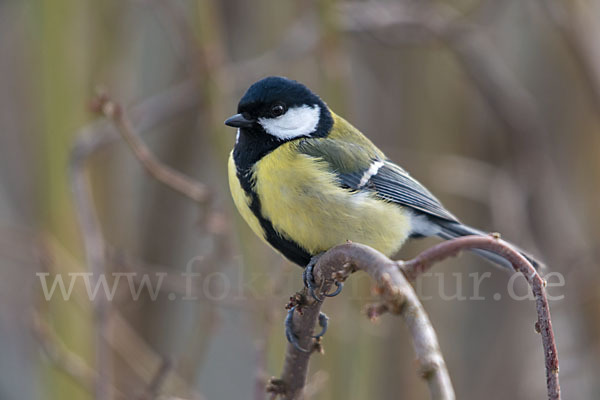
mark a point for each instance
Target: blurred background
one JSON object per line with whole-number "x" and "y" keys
{"x": 493, "y": 105}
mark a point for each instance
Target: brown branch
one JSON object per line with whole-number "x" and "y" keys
{"x": 146, "y": 115}
{"x": 89, "y": 140}
{"x": 399, "y": 298}
{"x": 139, "y": 357}
{"x": 163, "y": 173}
{"x": 65, "y": 360}
{"x": 295, "y": 368}
{"x": 94, "y": 245}
{"x": 70, "y": 363}
{"x": 426, "y": 259}
{"x": 158, "y": 380}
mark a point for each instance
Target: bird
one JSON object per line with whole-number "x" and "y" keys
{"x": 305, "y": 180}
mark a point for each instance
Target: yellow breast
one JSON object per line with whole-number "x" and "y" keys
{"x": 305, "y": 204}
{"x": 242, "y": 200}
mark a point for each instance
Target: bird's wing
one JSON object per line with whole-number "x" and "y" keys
{"x": 394, "y": 184}
{"x": 359, "y": 168}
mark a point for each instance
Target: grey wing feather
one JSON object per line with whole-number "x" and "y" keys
{"x": 394, "y": 184}
{"x": 351, "y": 163}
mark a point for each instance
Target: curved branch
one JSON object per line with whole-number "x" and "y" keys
{"x": 95, "y": 248}
{"x": 398, "y": 297}
{"x": 161, "y": 172}
{"x": 426, "y": 259}
{"x": 146, "y": 115}
{"x": 89, "y": 140}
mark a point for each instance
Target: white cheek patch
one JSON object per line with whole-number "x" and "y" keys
{"x": 296, "y": 122}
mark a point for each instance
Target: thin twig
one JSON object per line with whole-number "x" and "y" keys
{"x": 89, "y": 140}
{"x": 132, "y": 349}
{"x": 147, "y": 114}
{"x": 70, "y": 363}
{"x": 295, "y": 368}
{"x": 437, "y": 253}
{"x": 95, "y": 257}
{"x": 65, "y": 360}
{"x": 163, "y": 173}
{"x": 158, "y": 380}
{"x": 399, "y": 297}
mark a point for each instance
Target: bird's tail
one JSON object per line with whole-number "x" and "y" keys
{"x": 451, "y": 230}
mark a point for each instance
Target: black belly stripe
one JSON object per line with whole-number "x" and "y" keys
{"x": 251, "y": 146}
{"x": 290, "y": 249}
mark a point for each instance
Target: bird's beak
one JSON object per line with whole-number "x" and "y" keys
{"x": 239, "y": 121}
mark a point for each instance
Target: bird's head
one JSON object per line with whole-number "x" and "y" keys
{"x": 281, "y": 109}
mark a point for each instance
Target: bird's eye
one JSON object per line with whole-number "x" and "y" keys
{"x": 277, "y": 110}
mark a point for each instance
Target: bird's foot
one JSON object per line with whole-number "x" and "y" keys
{"x": 311, "y": 285}
{"x": 291, "y": 336}
{"x": 323, "y": 323}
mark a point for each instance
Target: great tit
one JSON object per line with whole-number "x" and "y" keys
{"x": 305, "y": 180}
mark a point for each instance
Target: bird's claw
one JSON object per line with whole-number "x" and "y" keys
{"x": 289, "y": 329}
{"x": 311, "y": 285}
{"x": 309, "y": 279}
{"x": 340, "y": 286}
{"x": 323, "y": 323}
